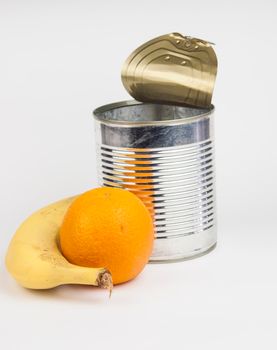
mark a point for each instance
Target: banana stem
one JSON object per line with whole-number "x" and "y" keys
{"x": 105, "y": 281}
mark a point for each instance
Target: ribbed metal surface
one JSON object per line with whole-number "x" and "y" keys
{"x": 176, "y": 184}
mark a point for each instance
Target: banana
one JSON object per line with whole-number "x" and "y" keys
{"x": 34, "y": 258}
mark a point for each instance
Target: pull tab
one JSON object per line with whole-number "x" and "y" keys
{"x": 172, "y": 69}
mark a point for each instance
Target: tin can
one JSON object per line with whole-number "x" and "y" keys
{"x": 165, "y": 155}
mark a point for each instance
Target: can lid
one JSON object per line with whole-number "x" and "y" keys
{"x": 172, "y": 68}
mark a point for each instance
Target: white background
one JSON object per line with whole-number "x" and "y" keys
{"x": 61, "y": 59}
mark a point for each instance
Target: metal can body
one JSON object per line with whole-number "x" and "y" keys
{"x": 165, "y": 155}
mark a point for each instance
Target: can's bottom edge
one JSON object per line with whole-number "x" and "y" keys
{"x": 167, "y": 260}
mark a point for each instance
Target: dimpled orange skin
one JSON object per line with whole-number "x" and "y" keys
{"x": 111, "y": 228}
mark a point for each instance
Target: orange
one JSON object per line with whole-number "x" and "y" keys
{"x": 111, "y": 228}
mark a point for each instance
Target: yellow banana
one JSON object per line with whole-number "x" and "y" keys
{"x": 34, "y": 258}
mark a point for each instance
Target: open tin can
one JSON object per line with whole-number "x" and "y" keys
{"x": 164, "y": 154}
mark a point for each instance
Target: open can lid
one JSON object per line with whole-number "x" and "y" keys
{"x": 172, "y": 69}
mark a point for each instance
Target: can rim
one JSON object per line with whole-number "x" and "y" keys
{"x": 98, "y": 112}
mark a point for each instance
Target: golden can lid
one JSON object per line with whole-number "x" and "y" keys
{"x": 172, "y": 69}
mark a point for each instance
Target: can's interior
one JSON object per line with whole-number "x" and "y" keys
{"x": 144, "y": 112}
